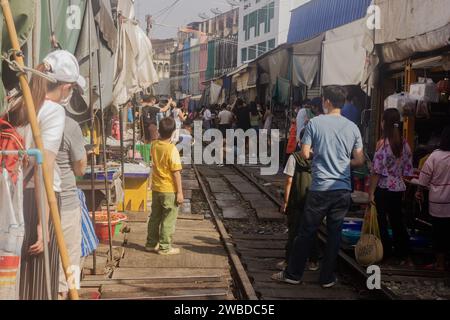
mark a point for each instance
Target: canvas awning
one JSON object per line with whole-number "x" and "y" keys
{"x": 306, "y": 61}
{"x": 24, "y": 18}
{"x": 411, "y": 26}
{"x": 134, "y": 69}
{"x": 344, "y": 56}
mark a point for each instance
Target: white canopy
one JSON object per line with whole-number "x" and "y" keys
{"x": 134, "y": 65}
{"x": 410, "y": 26}
{"x": 344, "y": 56}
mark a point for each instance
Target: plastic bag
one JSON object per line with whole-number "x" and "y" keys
{"x": 369, "y": 249}
{"x": 12, "y": 231}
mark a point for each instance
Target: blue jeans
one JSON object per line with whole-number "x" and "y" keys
{"x": 333, "y": 205}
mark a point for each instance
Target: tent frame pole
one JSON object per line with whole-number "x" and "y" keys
{"x": 105, "y": 165}
{"x": 32, "y": 118}
{"x": 91, "y": 102}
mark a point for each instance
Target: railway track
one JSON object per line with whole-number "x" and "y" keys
{"x": 255, "y": 231}
{"x": 397, "y": 283}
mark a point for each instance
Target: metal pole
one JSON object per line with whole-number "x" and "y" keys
{"x": 122, "y": 158}
{"x": 31, "y": 114}
{"x": 105, "y": 167}
{"x": 91, "y": 99}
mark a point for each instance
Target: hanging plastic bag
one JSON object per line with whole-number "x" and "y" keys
{"x": 369, "y": 249}
{"x": 11, "y": 235}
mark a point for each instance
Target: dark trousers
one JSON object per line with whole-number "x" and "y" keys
{"x": 333, "y": 205}
{"x": 293, "y": 220}
{"x": 441, "y": 235}
{"x": 223, "y": 128}
{"x": 389, "y": 206}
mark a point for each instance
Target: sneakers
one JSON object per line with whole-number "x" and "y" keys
{"x": 313, "y": 266}
{"x": 170, "y": 252}
{"x": 281, "y": 277}
{"x": 282, "y": 265}
{"x": 152, "y": 249}
{"x": 330, "y": 284}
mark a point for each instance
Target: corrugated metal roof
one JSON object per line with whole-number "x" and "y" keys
{"x": 317, "y": 16}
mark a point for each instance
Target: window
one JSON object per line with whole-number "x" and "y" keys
{"x": 252, "y": 53}
{"x": 270, "y": 16}
{"x": 244, "y": 54}
{"x": 262, "y": 48}
{"x": 271, "y": 44}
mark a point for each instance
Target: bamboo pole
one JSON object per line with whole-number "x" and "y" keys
{"x": 31, "y": 112}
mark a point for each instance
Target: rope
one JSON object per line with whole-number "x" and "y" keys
{"x": 14, "y": 66}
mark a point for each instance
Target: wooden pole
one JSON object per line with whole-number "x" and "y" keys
{"x": 31, "y": 112}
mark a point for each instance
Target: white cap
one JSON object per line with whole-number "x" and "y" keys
{"x": 65, "y": 67}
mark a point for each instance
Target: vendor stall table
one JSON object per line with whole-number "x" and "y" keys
{"x": 136, "y": 186}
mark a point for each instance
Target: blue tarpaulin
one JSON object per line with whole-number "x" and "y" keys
{"x": 318, "y": 16}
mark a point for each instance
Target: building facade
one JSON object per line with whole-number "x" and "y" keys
{"x": 263, "y": 25}
{"x": 205, "y": 50}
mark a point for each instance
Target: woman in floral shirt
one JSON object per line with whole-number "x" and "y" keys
{"x": 392, "y": 162}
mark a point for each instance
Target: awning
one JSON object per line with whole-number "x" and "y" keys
{"x": 306, "y": 61}
{"x": 67, "y": 31}
{"x": 238, "y": 70}
{"x": 411, "y": 26}
{"x": 134, "y": 69}
{"x": 344, "y": 56}
{"x": 24, "y": 17}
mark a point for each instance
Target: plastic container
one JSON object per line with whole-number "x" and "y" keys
{"x": 101, "y": 230}
{"x": 101, "y": 224}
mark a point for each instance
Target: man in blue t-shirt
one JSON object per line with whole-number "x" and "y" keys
{"x": 331, "y": 140}
{"x": 350, "y": 110}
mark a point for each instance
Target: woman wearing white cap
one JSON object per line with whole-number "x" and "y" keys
{"x": 49, "y": 98}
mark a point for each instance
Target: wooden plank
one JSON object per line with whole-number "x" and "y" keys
{"x": 190, "y": 185}
{"x": 235, "y": 213}
{"x": 191, "y": 217}
{"x": 227, "y": 203}
{"x": 171, "y": 274}
{"x": 306, "y": 291}
{"x": 193, "y": 257}
{"x": 245, "y": 236}
{"x": 245, "y": 188}
{"x": 225, "y": 196}
{"x": 268, "y": 244}
{"x": 263, "y": 253}
{"x": 262, "y": 204}
{"x": 173, "y": 294}
{"x": 132, "y": 288}
{"x": 270, "y": 214}
{"x": 135, "y": 282}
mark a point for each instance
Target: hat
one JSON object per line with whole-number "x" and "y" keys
{"x": 64, "y": 67}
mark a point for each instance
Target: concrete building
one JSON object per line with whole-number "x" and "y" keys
{"x": 263, "y": 25}
{"x": 162, "y": 48}
{"x": 206, "y": 50}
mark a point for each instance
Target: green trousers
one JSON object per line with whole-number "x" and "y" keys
{"x": 161, "y": 225}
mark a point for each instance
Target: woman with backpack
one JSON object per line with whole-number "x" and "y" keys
{"x": 392, "y": 162}
{"x": 49, "y": 99}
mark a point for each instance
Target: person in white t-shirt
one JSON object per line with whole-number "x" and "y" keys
{"x": 225, "y": 119}
{"x": 49, "y": 98}
{"x": 207, "y": 117}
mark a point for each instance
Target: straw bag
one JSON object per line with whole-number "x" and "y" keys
{"x": 369, "y": 249}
